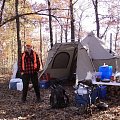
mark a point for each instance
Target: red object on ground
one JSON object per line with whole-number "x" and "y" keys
{"x": 45, "y": 76}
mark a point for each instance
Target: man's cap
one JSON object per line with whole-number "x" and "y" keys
{"x": 28, "y": 42}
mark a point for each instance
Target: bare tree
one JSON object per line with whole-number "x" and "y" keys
{"x": 1, "y": 11}
{"x": 72, "y": 22}
{"x": 50, "y": 22}
{"x": 95, "y": 4}
{"x": 18, "y": 29}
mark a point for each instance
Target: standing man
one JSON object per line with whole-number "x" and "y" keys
{"x": 29, "y": 66}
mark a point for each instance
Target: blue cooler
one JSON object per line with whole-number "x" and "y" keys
{"x": 106, "y": 72}
{"x": 44, "y": 84}
{"x": 102, "y": 92}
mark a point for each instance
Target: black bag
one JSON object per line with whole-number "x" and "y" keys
{"x": 58, "y": 97}
{"x": 102, "y": 106}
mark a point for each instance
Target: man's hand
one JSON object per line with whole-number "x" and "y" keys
{"x": 22, "y": 73}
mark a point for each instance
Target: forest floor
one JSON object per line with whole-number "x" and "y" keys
{"x": 11, "y": 107}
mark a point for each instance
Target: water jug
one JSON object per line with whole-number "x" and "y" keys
{"x": 106, "y": 72}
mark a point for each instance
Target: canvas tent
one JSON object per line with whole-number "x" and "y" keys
{"x": 65, "y": 59}
{"x": 99, "y": 54}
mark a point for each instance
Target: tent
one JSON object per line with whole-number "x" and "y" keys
{"x": 98, "y": 53}
{"x": 66, "y": 59}
{"x": 96, "y": 47}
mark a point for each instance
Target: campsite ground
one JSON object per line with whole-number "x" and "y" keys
{"x": 11, "y": 107}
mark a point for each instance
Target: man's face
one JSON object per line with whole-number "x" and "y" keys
{"x": 28, "y": 48}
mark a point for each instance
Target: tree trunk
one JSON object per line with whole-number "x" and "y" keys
{"x": 116, "y": 37}
{"x": 95, "y": 3}
{"x": 1, "y": 11}
{"x": 66, "y": 33}
{"x": 72, "y": 22}
{"x": 66, "y": 28}
{"x": 41, "y": 44}
{"x": 18, "y": 31}
{"x": 61, "y": 34}
{"x": 50, "y": 25}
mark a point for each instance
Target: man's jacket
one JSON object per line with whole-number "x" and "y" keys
{"x": 29, "y": 64}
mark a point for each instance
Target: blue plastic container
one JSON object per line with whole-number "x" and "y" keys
{"x": 44, "y": 84}
{"x": 102, "y": 92}
{"x": 94, "y": 95}
{"x": 13, "y": 85}
{"x": 106, "y": 72}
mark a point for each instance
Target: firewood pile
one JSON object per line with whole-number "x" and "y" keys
{"x": 11, "y": 107}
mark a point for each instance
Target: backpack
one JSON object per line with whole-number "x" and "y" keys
{"x": 58, "y": 97}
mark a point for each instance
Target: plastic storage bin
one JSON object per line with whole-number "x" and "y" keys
{"x": 102, "y": 92}
{"x": 106, "y": 72}
{"x": 13, "y": 85}
{"x": 94, "y": 95}
{"x": 20, "y": 86}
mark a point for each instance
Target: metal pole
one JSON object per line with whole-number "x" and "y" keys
{"x": 110, "y": 42}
